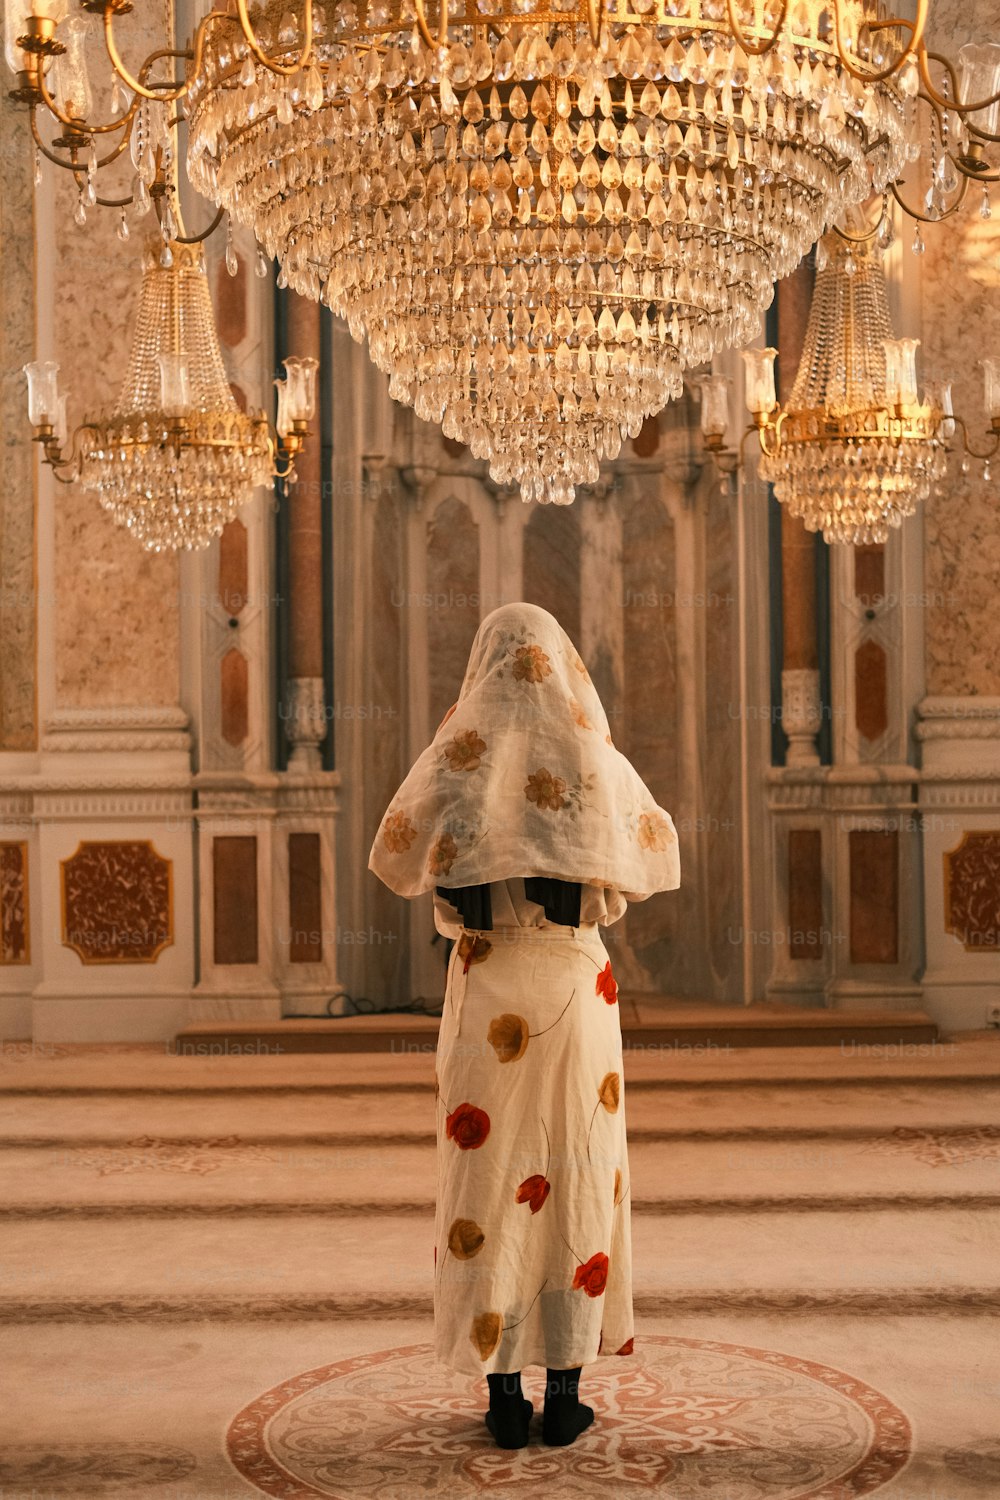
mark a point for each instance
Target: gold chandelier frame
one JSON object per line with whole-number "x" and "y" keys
{"x": 40, "y": 43}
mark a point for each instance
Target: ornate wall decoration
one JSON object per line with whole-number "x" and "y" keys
{"x": 117, "y": 902}
{"x": 15, "y": 947}
{"x": 972, "y": 892}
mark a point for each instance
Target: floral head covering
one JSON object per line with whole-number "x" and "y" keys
{"x": 523, "y": 779}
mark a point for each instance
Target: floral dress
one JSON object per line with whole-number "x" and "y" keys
{"x": 532, "y": 1238}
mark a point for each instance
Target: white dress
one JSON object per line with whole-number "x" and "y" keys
{"x": 532, "y": 1233}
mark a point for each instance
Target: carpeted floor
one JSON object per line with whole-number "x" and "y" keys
{"x": 216, "y": 1282}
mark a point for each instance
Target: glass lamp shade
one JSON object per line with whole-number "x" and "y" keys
{"x": 760, "y": 396}
{"x": 43, "y": 392}
{"x": 979, "y": 74}
{"x": 901, "y": 371}
{"x": 938, "y": 393}
{"x": 70, "y": 78}
{"x": 283, "y": 421}
{"x": 175, "y": 383}
{"x": 301, "y": 393}
{"x": 991, "y": 372}
{"x": 714, "y": 404}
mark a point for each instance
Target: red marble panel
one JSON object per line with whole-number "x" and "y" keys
{"x": 305, "y": 900}
{"x": 871, "y": 690}
{"x": 972, "y": 891}
{"x": 117, "y": 902}
{"x": 15, "y": 942}
{"x": 869, "y": 574}
{"x": 233, "y": 567}
{"x": 874, "y": 885}
{"x": 551, "y": 564}
{"x": 234, "y": 898}
{"x": 230, "y": 303}
{"x": 234, "y": 672}
{"x": 805, "y": 893}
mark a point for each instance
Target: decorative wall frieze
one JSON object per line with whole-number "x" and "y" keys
{"x": 959, "y": 736}
{"x": 843, "y": 789}
{"x": 116, "y": 728}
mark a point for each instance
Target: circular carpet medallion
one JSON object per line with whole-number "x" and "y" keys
{"x": 691, "y": 1418}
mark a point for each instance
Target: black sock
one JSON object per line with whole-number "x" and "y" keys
{"x": 565, "y": 1415}
{"x": 509, "y": 1413}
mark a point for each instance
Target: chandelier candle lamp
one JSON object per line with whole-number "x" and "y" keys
{"x": 855, "y": 449}
{"x": 177, "y": 457}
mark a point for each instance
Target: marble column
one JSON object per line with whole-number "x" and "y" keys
{"x": 306, "y": 718}
{"x": 800, "y": 702}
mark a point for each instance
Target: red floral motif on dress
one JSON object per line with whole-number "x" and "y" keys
{"x": 468, "y": 1126}
{"x": 592, "y": 1276}
{"x": 606, "y": 985}
{"x": 533, "y": 1191}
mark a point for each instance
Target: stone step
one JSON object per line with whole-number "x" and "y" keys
{"x": 903, "y": 1169}
{"x": 313, "y": 1266}
{"x": 145, "y": 1071}
{"x": 647, "y": 1021}
{"x": 348, "y": 1118}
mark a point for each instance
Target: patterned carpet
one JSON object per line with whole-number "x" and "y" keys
{"x": 687, "y": 1417}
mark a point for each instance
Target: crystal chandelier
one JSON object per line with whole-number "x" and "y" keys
{"x": 539, "y": 216}
{"x": 854, "y": 450}
{"x": 537, "y": 233}
{"x": 177, "y": 457}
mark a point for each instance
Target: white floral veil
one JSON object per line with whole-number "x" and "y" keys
{"x": 523, "y": 779}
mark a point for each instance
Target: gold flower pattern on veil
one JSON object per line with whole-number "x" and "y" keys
{"x": 464, "y": 752}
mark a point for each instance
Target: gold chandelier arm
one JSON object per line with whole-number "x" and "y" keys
{"x": 52, "y": 455}
{"x": 914, "y": 213}
{"x": 972, "y": 176}
{"x": 868, "y": 235}
{"x": 285, "y": 69}
{"x": 943, "y": 101}
{"x": 133, "y": 83}
{"x": 891, "y": 23}
{"x": 749, "y": 47}
{"x": 441, "y": 39}
{"x": 197, "y": 239}
{"x": 984, "y": 457}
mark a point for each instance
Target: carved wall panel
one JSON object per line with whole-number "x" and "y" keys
{"x": 117, "y": 902}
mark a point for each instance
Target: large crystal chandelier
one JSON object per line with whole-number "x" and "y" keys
{"x": 538, "y": 233}
{"x": 855, "y": 449}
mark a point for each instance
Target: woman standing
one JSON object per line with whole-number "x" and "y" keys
{"x": 532, "y": 830}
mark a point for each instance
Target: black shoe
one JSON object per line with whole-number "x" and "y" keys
{"x": 565, "y": 1416}
{"x": 508, "y": 1425}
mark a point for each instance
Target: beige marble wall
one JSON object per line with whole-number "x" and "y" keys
{"x": 17, "y": 493}
{"x": 960, "y": 322}
{"x": 116, "y": 621}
